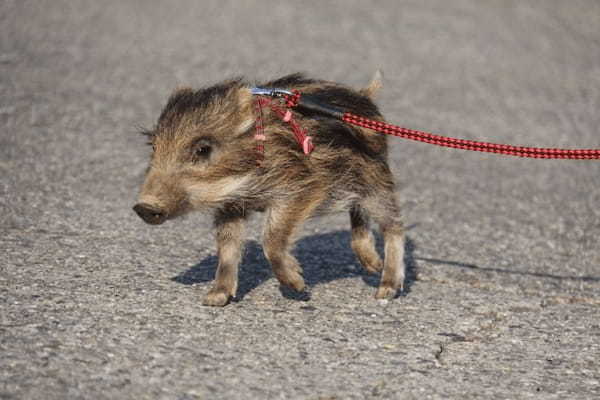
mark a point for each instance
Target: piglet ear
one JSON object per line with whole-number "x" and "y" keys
{"x": 244, "y": 97}
{"x": 246, "y": 110}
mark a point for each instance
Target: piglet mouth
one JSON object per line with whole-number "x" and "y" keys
{"x": 151, "y": 214}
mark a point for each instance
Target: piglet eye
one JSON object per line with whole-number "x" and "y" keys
{"x": 201, "y": 149}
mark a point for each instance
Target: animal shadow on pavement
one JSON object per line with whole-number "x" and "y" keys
{"x": 324, "y": 258}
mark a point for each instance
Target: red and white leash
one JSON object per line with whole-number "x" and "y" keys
{"x": 295, "y": 99}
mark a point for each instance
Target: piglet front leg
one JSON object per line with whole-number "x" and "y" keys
{"x": 283, "y": 221}
{"x": 230, "y": 224}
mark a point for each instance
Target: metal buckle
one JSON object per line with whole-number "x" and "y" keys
{"x": 272, "y": 92}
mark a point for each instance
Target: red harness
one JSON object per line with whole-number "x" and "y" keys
{"x": 286, "y": 115}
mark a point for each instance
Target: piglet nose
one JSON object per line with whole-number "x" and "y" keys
{"x": 150, "y": 214}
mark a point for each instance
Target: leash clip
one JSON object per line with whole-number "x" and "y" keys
{"x": 271, "y": 92}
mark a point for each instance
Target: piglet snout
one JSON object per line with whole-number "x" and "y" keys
{"x": 150, "y": 214}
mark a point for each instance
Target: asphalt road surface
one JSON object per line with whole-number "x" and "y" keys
{"x": 503, "y": 298}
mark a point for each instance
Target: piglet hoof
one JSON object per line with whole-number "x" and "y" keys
{"x": 292, "y": 279}
{"x": 297, "y": 283}
{"x": 216, "y": 297}
{"x": 385, "y": 292}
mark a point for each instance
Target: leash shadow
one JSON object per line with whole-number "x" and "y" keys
{"x": 474, "y": 267}
{"x": 324, "y": 257}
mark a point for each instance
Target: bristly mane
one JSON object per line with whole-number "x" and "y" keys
{"x": 295, "y": 79}
{"x": 185, "y": 100}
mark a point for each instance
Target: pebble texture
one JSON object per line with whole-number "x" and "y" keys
{"x": 503, "y": 299}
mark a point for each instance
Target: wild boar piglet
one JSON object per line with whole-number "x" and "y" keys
{"x": 205, "y": 158}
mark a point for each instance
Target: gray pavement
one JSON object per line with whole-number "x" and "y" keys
{"x": 504, "y": 293}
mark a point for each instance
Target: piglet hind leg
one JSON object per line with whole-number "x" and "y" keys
{"x": 362, "y": 241}
{"x": 385, "y": 212}
{"x": 392, "y": 275}
{"x": 230, "y": 231}
{"x": 283, "y": 221}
